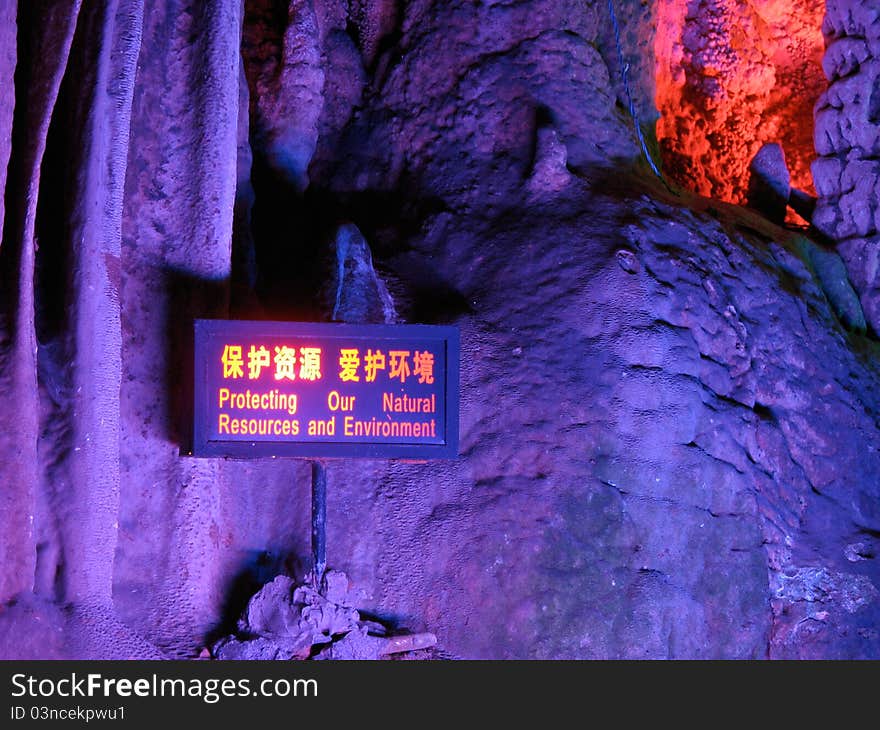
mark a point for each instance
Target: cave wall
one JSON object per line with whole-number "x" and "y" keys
{"x": 732, "y": 75}
{"x": 669, "y": 442}
{"x": 35, "y": 91}
{"x": 847, "y": 118}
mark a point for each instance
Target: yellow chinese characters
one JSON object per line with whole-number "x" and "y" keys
{"x": 259, "y": 358}
{"x": 285, "y": 363}
{"x": 423, "y": 366}
{"x": 310, "y": 363}
{"x": 304, "y": 363}
{"x": 233, "y": 364}
{"x": 349, "y": 360}
{"x": 396, "y": 364}
{"x": 373, "y": 362}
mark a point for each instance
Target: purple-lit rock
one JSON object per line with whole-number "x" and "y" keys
{"x": 285, "y": 621}
{"x": 669, "y": 420}
{"x": 847, "y": 136}
{"x": 769, "y": 182}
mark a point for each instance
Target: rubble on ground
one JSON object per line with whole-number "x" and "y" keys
{"x": 289, "y": 620}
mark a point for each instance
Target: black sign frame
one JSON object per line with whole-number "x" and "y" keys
{"x": 204, "y": 446}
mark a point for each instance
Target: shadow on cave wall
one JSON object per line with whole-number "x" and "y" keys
{"x": 190, "y": 298}
{"x": 293, "y": 234}
{"x": 258, "y": 567}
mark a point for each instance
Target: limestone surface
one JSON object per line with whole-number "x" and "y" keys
{"x": 670, "y": 420}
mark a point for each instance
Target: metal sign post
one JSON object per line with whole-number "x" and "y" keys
{"x": 320, "y": 391}
{"x": 319, "y": 523}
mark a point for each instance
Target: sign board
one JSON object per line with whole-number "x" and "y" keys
{"x": 309, "y": 389}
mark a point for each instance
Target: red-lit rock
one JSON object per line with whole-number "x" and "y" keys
{"x": 732, "y": 75}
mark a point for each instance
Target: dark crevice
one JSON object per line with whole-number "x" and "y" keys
{"x": 874, "y": 106}
{"x": 543, "y": 120}
{"x": 54, "y": 259}
{"x": 14, "y": 195}
{"x": 764, "y": 413}
{"x": 259, "y": 568}
{"x": 722, "y": 399}
{"x": 353, "y": 32}
{"x": 60, "y": 209}
{"x": 865, "y": 552}
{"x": 293, "y": 228}
{"x": 293, "y": 233}
{"x": 388, "y": 54}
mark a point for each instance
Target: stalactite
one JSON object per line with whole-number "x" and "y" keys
{"x": 108, "y": 66}
{"x": 176, "y": 264}
{"x": 38, "y": 78}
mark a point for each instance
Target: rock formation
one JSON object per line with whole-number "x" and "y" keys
{"x": 289, "y": 621}
{"x": 670, "y": 423}
{"x": 732, "y": 75}
{"x": 769, "y": 182}
{"x": 848, "y": 144}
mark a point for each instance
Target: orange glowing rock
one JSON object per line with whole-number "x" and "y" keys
{"x": 730, "y": 76}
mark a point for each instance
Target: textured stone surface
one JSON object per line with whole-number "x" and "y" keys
{"x": 847, "y": 136}
{"x": 7, "y": 96}
{"x": 669, "y": 441}
{"x": 36, "y": 92}
{"x": 832, "y": 276}
{"x": 682, "y": 418}
{"x": 769, "y": 182}
{"x": 35, "y": 628}
{"x": 355, "y": 292}
{"x": 285, "y": 621}
{"x": 732, "y": 75}
{"x": 463, "y": 129}
{"x": 287, "y": 87}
